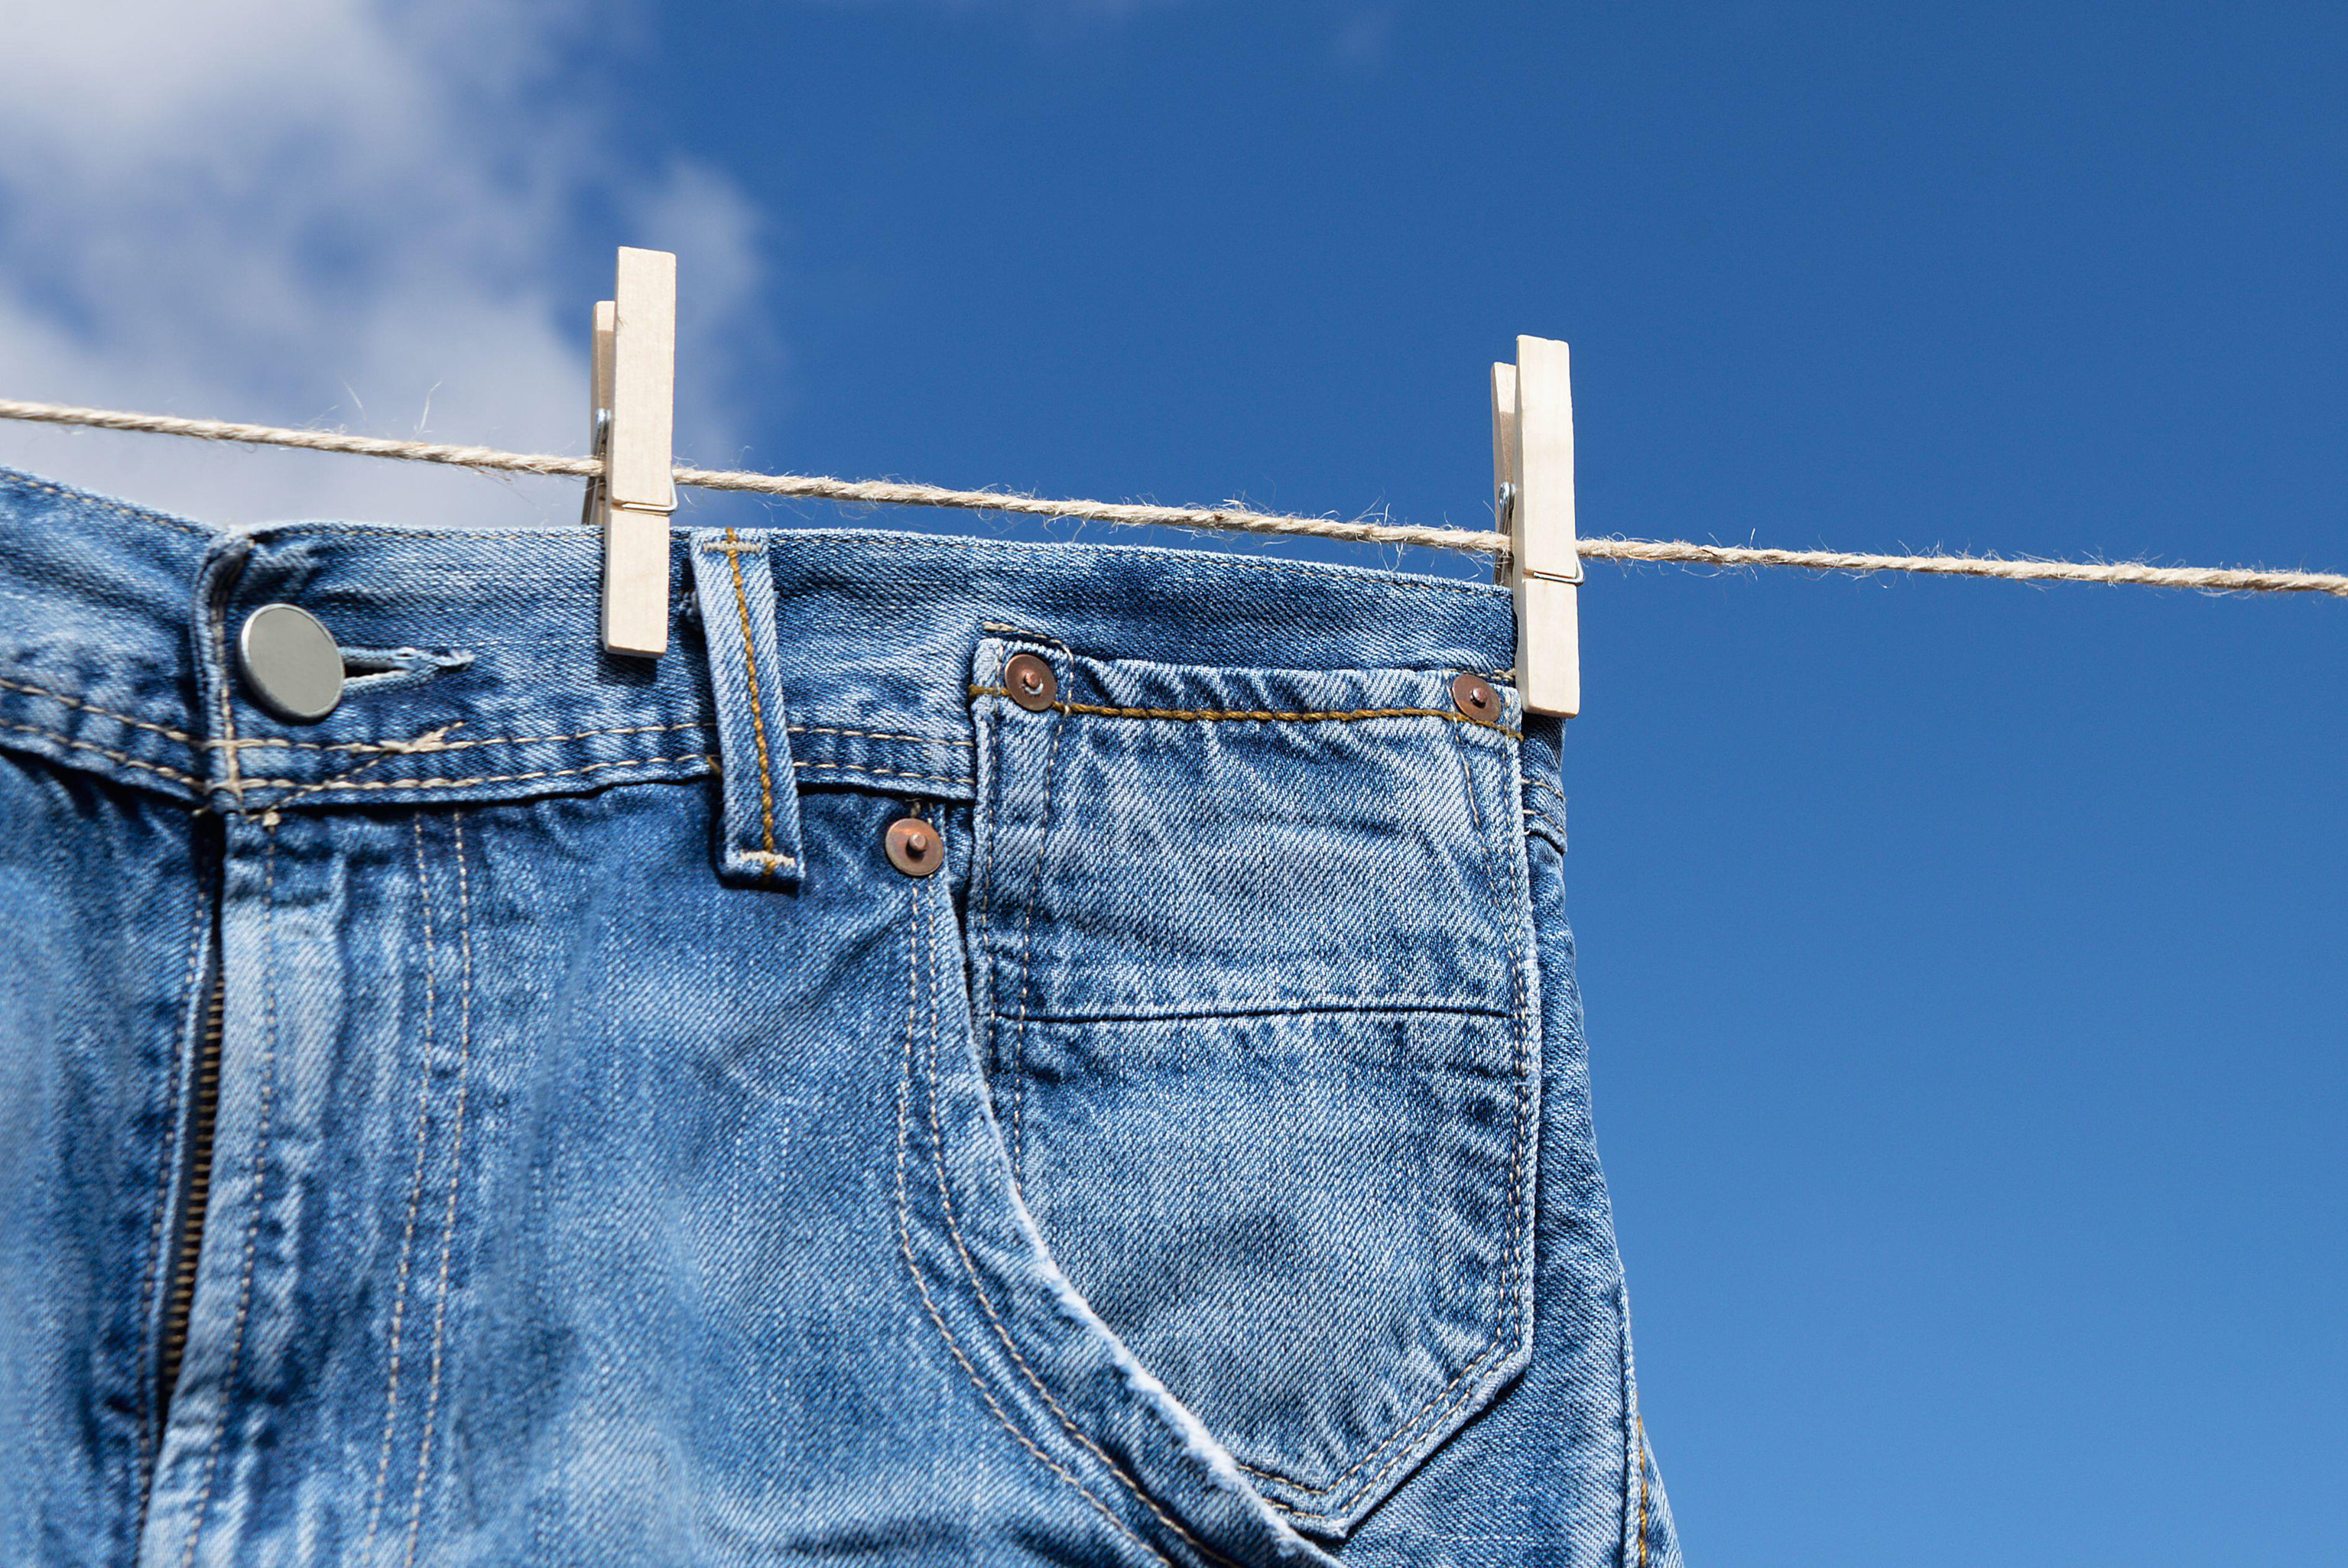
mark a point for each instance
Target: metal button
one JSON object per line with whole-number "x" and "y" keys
{"x": 914, "y": 847}
{"x": 1030, "y": 682}
{"x": 291, "y": 661}
{"x": 1474, "y": 695}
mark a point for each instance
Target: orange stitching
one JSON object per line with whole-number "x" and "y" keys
{"x": 734, "y": 554}
{"x": 1312, "y": 715}
{"x": 987, "y": 1304}
{"x": 1641, "y": 1427}
{"x": 173, "y": 774}
{"x": 1409, "y": 1430}
{"x": 32, "y": 690}
{"x": 260, "y": 1179}
{"x": 905, "y": 1251}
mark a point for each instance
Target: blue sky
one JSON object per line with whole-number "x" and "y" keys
{"x": 1964, "y": 961}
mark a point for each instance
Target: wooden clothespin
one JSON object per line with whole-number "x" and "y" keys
{"x": 632, "y": 369}
{"x": 1533, "y": 493}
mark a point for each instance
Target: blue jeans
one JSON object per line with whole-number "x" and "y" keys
{"x": 532, "y": 1115}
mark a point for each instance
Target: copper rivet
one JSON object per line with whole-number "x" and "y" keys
{"x": 1474, "y": 695}
{"x": 913, "y": 847}
{"x": 1030, "y": 682}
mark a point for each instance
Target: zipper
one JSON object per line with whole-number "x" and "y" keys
{"x": 196, "y": 1189}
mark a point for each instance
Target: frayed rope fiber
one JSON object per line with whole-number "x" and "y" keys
{"x": 884, "y": 493}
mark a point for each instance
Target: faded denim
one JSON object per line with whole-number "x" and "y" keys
{"x": 525, "y": 1118}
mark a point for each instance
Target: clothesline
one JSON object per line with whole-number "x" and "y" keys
{"x": 1228, "y": 517}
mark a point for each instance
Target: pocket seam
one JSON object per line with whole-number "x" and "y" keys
{"x": 1286, "y": 1007}
{"x": 1397, "y": 1446}
{"x": 928, "y": 1305}
{"x": 1459, "y": 1387}
{"x": 1261, "y": 716}
{"x": 1027, "y": 959}
{"x": 970, "y": 1269}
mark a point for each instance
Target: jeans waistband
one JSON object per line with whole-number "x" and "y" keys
{"x": 474, "y": 670}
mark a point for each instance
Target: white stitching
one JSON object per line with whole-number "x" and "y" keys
{"x": 1259, "y": 716}
{"x": 429, "y": 783}
{"x": 414, "y": 1199}
{"x": 27, "y": 687}
{"x": 874, "y": 734}
{"x": 172, "y": 773}
{"x": 84, "y": 498}
{"x": 983, "y": 814}
{"x": 1460, "y": 1389}
{"x": 1255, "y": 1007}
{"x": 217, "y": 613}
{"x": 260, "y": 743}
{"x": 1028, "y": 967}
{"x": 259, "y": 1190}
{"x": 921, "y": 1283}
{"x": 164, "y": 1165}
{"x": 886, "y": 772}
{"x": 422, "y": 744}
{"x": 456, "y": 1175}
{"x": 910, "y": 543}
{"x": 987, "y": 1304}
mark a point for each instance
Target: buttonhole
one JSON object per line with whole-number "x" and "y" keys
{"x": 372, "y": 669}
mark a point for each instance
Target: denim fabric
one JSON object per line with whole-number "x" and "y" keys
{"x": 525, "y": 1118}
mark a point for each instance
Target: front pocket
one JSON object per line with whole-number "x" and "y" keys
{"x": 1251, "y": 955}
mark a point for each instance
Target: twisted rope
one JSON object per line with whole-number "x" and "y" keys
{"x": 1229, "y": 516}
{"x": 2212, "y": 579}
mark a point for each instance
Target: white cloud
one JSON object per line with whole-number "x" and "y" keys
{"x": 333, "y": 212}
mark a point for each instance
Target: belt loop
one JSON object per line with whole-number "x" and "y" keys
{"x": 761, "y": 839}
